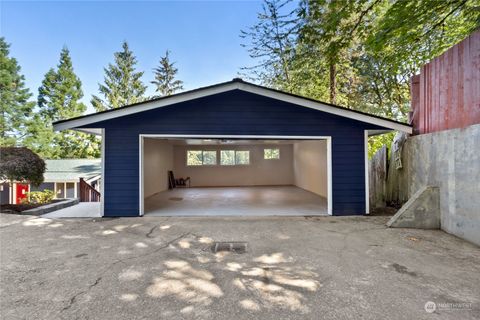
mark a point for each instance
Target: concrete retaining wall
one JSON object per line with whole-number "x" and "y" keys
{"x": 449, "y": 160}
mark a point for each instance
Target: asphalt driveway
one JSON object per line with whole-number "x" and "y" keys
{"x": 294, "y": 268}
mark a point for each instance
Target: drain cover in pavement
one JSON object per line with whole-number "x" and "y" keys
{"x": 237, "y": 247}
{"x": 175, "y": 199}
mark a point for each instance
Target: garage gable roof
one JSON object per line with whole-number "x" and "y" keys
{"x": 235, "y": 84}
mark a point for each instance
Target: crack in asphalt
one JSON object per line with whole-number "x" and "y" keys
{"x": 149, "y": 233}
{"x": 166, "y": 245}
{"x": 74, "y": 298}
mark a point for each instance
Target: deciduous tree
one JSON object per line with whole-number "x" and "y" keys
{"x": 356, "y": 53}
{"x": 21, "y": 164}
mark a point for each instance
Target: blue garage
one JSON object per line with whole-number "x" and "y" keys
{"x": 233, "y": 148}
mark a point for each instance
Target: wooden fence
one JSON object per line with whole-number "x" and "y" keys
{"x": 377, "y": 176}
{"x": 446, "y": 93}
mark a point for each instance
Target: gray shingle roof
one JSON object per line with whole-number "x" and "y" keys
{"x": 71, "y": 169}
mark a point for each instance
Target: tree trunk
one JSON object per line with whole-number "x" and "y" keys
{"x": 333, "y": 82}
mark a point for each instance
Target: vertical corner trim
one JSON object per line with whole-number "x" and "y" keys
{"x": 367, "y": 191}
{"x": 140, "y": 178}
{"x": 329, "y": 176}
{"x": 102, "y": 181}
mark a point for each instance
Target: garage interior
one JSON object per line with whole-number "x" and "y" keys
{"x": 230, "y": 177}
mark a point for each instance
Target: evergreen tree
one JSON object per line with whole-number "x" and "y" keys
{"x": 165, "y": 74}
{"x": 61, "y": 90}
{"x": 272, "y": 44}
{"x": 58, "y": 99}
{"x": 14, "y": 105}
{"x": 122, "y": 84}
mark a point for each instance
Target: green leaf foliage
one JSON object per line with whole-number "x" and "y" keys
{"x": 411, "y": 32}
{"x": 40, "y": 197}
{"x": 360, "y": 54}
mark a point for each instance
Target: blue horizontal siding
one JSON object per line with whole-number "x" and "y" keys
{"x": 233, "y": 113}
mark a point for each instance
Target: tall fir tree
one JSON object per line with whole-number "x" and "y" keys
{"x": 271, "y": 42}
{"x": 15, "y": 106}
{"x": 165, "y": 77}
{"x": 122, "y": 83}
{"x": 58, "y": 99}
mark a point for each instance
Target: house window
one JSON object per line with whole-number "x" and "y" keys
{"x": 271, "y": 154}
{"x": 70, "y": 190}
{"x": 60, "y": 190}
{"x": 201, "y": 158}
{"x": 234, "y": 157}
{"x": 227, "y": 157}
{"x": 242, "y": 157}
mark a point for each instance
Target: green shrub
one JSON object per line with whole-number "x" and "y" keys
{"x": 40, "y": 197}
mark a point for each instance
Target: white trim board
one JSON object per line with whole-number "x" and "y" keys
{"x": 367, "y": 183}
{"x": 102, "y": 182}
{"x": 221, "y": 88}
{"x": 141, "y": 194}
{"x": 14, "y": 194}
{"x": 142, "y": 137}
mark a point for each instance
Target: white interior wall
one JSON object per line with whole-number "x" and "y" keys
{"x": 158, "y": 160}
{"x": 259, "y": 172}
{"x": 310, "y": 166}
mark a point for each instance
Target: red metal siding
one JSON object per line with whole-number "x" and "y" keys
{"x": 446, "y": 93}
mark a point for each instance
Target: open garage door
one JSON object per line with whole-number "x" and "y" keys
{"x": 235, "y": 176}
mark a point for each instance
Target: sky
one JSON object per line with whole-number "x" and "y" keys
{"x": 203, "y": 37}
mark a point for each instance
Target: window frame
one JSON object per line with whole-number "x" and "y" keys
{"x": 202, "y": 164}
{"x": 62, "y": 189}
{"x": 271, "y": 148}
{"x": 227, "y": 165}
{"x": 242, "y": 164}
{"x": 235, "y": 158}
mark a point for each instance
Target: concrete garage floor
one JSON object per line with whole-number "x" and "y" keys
{"x": 294, "y": 268}
{"x": 234, "y": 201}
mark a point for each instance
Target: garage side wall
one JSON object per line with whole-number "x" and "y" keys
{"x": 310, "y": 166}
{"x": 157, "y": 161}
{"x": 233, "y": 113}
